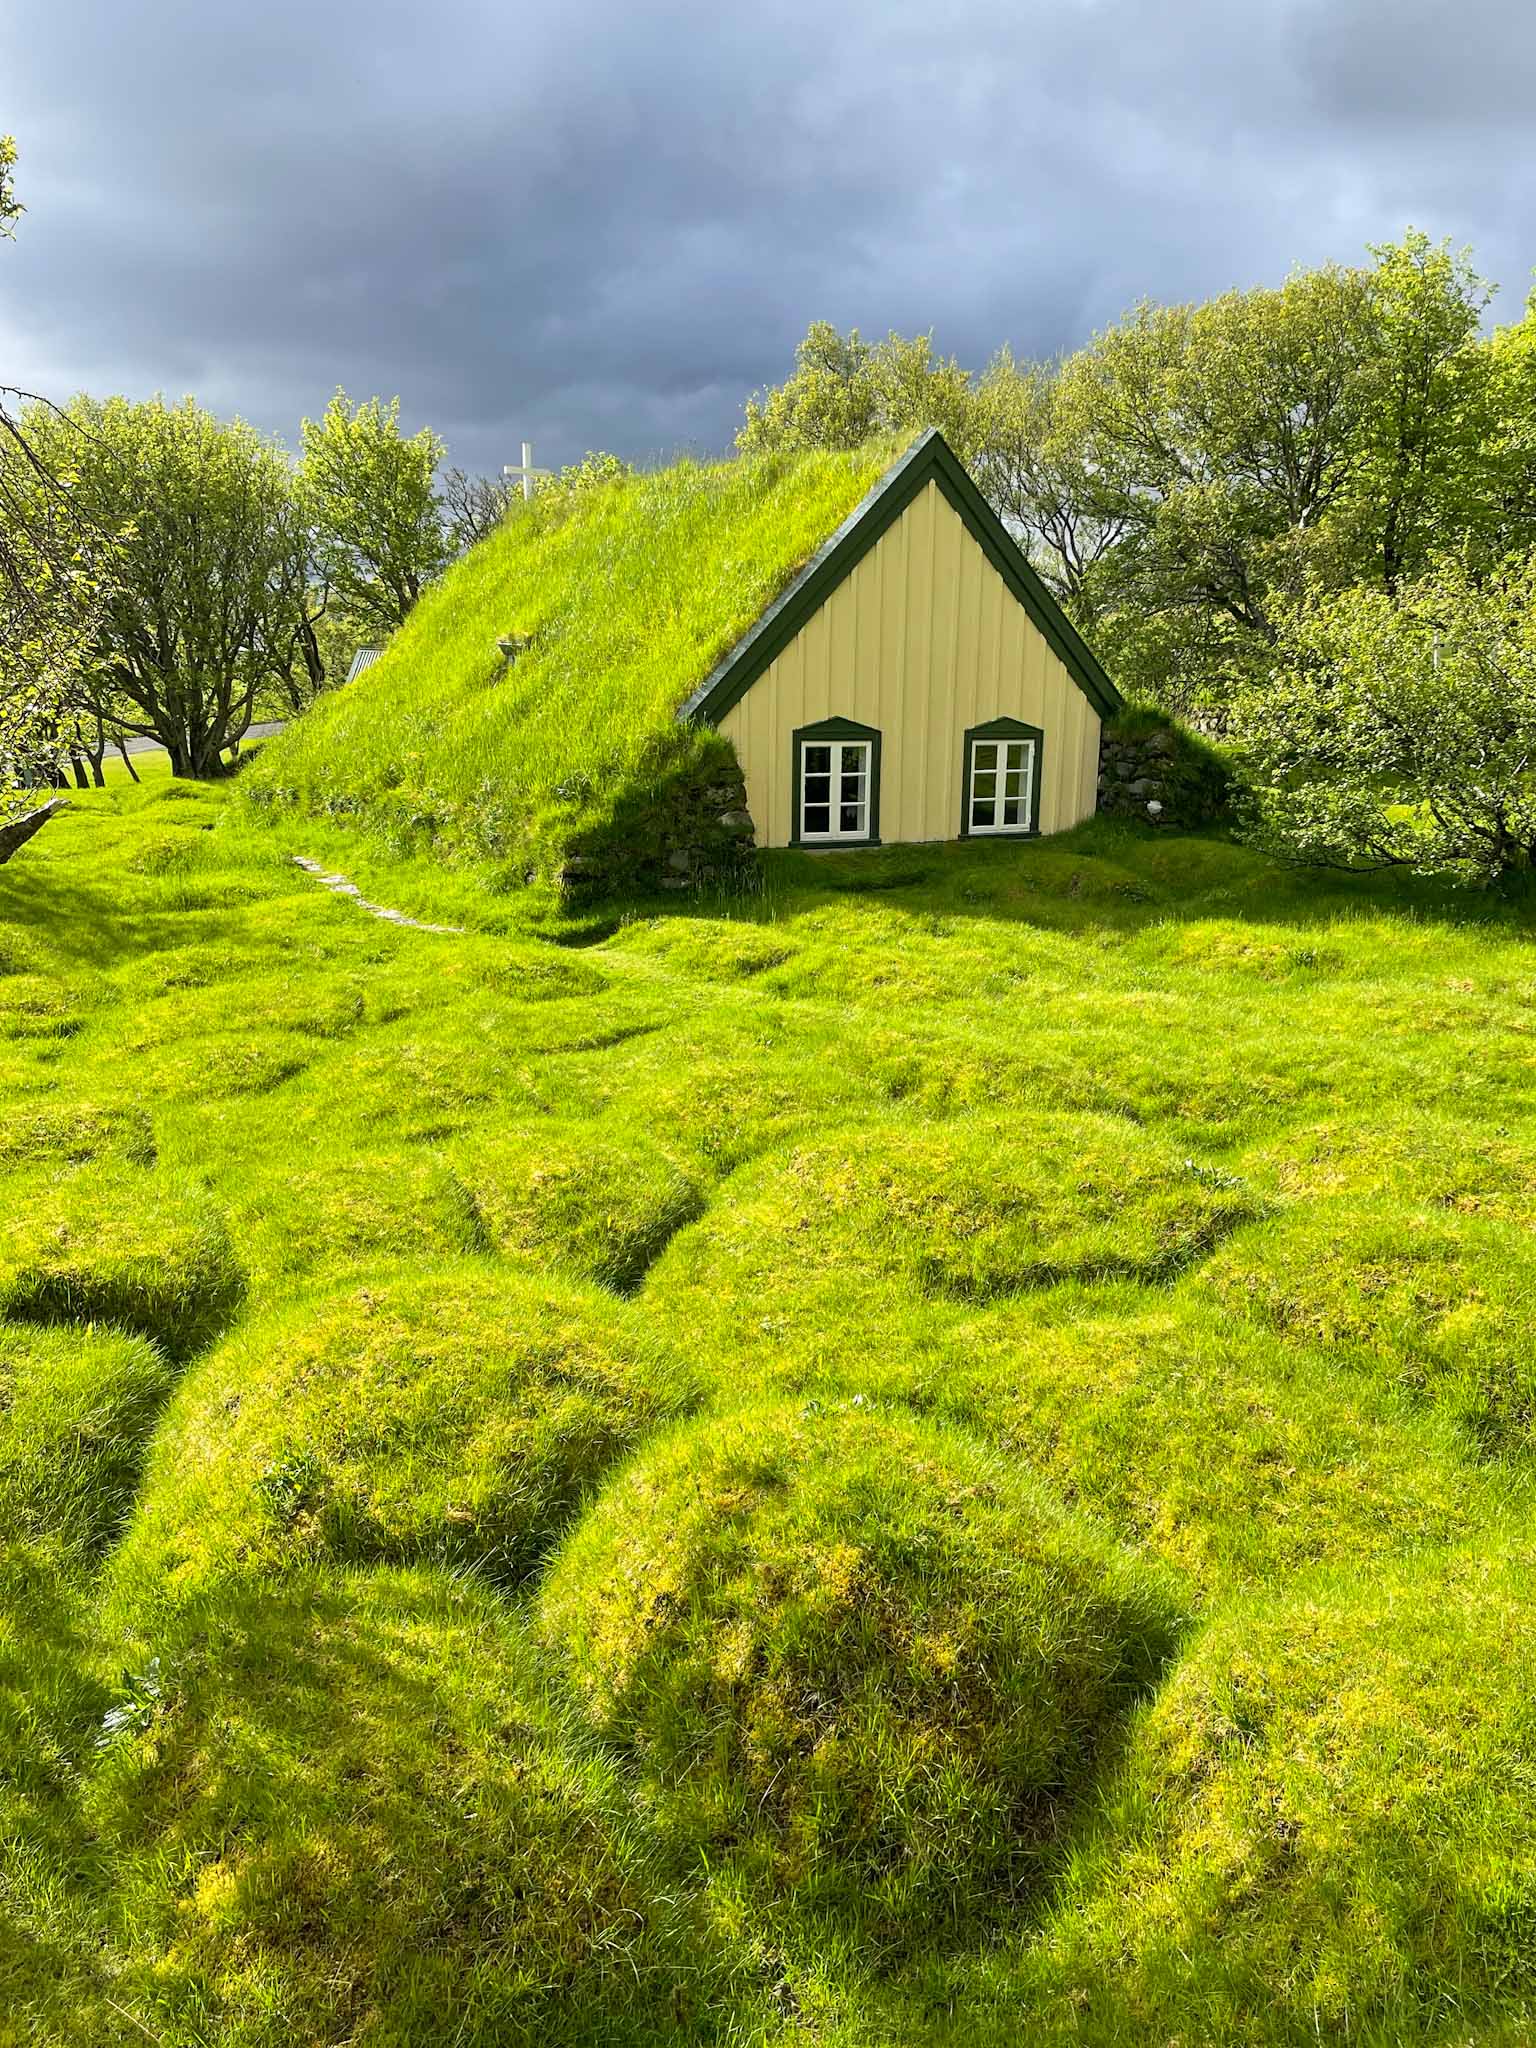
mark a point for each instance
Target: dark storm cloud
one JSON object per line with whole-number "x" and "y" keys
{"x": 601, "y": 224}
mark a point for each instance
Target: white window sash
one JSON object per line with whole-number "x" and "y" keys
{"x": 845, "y": 757}
{"x": 998, "y": 752}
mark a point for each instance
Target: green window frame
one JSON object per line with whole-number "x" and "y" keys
{"x": 847, "y": 755}
{"x": 985, "y": 787}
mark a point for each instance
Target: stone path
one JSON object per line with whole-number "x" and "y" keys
{"x": 343, "y": 887}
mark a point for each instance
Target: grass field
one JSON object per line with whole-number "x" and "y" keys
{"x": 939, "y": 1454}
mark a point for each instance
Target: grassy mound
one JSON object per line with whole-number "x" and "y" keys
{"x": 1327, "y": 1830}
{"x": 1433, "y": 1161}
{"x": 51, "y": 1134}
{"x": 349, "y": 1204}
{"x": 50, "y": 1705}
{"x": 145, "y": 1252}
{"x": 448, "y": 744}
{"x": 75, "y": 1408}
{"x": 860, "y": 1663}
{"x": 456, "y": 1414}
{"x": 573, "y": 1196}
{"x": 982, "y": 1209}
{"x": 1237, "y": 1458}
{"x": 877, "y": 1227}
{"x": 1440, "y": 1304}
{"x": 344, "y": 1814}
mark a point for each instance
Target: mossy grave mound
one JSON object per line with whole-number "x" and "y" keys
{"x": 342, "y": 1812}
{"x": 51, "y": 1702}
{"x": 69, "y": 1133}
{"x": 1328, "y": 1818}
{"x": 986, "y": 1206}
{"x": 456, "y": 1414}
{"x": 576, "y": 1196}
{"x": 344, "y": 1206}
{"x": 862, "y": 1666}
{"x": 983, "y": 1207}
{"x": 1440, "y": 1304}
{"x": 1234, "y": 1456}
{"x": 140, "y": 1251}
{"x": 75, "y": 1409}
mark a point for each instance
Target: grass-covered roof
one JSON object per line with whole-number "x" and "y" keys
{"x": 626, "y": 595}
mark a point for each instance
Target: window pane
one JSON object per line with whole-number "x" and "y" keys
{"x": 1013, "y": 784}
{"x": 983, "y": 815}
{"x": 1013, "y": 811}
{"x": 818, "y": 789}
{"x": 1015, "y": 756}
{"x": 851, "y": 818}
{"x": 985, "y": 786}
{"x": 851, "y": 787}
{"x": 818, "y": 760}
{"x": 818, "y": 818}
{"x": 985, "y": 755}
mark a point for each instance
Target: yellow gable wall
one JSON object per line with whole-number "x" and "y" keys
{"x": 922, "y": 640}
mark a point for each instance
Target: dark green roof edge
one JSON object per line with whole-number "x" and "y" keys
{"x": 930, "y": 459}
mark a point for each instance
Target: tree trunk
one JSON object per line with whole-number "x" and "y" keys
{"x": 122, "y": 748}
{"x": 82, "y": 773}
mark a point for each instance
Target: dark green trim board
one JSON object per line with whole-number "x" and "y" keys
{"x": 1002, "y": 729}
{"x": 835, "y": 729}
{"x": 930, "y": 459}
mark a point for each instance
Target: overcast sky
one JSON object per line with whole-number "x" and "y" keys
{"x": 599, "y": 223}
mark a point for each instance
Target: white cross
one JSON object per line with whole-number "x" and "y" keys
{"x": 526, "y": 470}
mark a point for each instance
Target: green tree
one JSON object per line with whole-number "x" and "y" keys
{"x": 1422, "y": 483}
{"x": 845, "y": 391}
{"x": 1401, "y": 727}
{"x": 11, "y": 208}
{"x": 198, "y": 602}
{"x": 1509, "y": 450}
{"x": 51, "y": 564}
{"x": 368, "y": 494}
{"x": 1045, "y": 477}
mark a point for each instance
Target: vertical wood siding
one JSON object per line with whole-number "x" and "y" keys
{"x": 922, "y": 640}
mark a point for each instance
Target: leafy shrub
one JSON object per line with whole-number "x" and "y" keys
{"x": 1440, "y": 1304}
{"x": 75, "y": 1408}
{"x": 577, "y": 1197}
{"x": 456, "y": 1414}
{"x": 857, "y": 1659}
{"x": 1327, "y": 1820}
{"x": 343, "y": 1813}
{"x": 139, "y": 1251}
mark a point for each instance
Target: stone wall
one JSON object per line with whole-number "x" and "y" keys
{"x": 687, "y": 827}
{"x": 1162, "y": 775}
